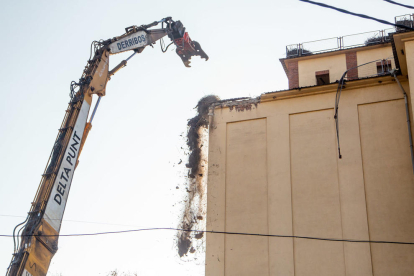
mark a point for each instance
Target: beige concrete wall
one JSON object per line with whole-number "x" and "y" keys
{"x": 409, "y": 51}
{"x": 388, "y": 185}
{"x": 315, "y": 193}
{"x": 246, "y": 174}
{"x": 372, "y": 55}
{"x": 275, "y": 169}
{"x": 335, "y": 64}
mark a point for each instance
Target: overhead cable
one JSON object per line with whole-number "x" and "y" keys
{"x": 221, "y": 232}
{"x": 341, "y": 85}
{"x": 358, "y": 14}
{"x": 82, "y": 221}
{"x": 399, "y": 4}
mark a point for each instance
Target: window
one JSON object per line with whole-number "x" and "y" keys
{"x": 383, "y": 67}
{"x": 322, "y": 77}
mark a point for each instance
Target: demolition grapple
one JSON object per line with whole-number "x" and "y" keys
{"x": 186, "y": 48}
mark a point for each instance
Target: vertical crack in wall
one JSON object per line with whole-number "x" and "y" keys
{"x": 193, "y": 217}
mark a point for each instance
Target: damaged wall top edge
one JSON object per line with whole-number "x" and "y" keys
{"x": 240, "y": 104}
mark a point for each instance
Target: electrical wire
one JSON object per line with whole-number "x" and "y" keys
{"x": 341, "y": 84}
{"x": 399, "y": 4}
{"x": 83, "y": 221}
{"x": 358, "y": 14}
{"x": 336, "y": 116}
{"x": 221, "y": 232}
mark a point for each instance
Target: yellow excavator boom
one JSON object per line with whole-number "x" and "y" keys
{"x": 36, "y": 239}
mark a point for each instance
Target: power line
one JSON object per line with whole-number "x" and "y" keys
{"x": 399, "y": 4}
{"x": 220, "y": 232}
{"x": 358, "y": 14}
{"x": 82, "y": 221}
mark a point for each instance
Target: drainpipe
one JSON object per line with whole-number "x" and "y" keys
{"x": 393, "y": 73}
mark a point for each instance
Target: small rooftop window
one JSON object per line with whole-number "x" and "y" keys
{"x": 383, "y": 67}
{"x": 322, "y": 77}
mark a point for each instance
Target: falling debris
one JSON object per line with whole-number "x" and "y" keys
{"x": 195, "y": 205}
{"x": 199, "y": 235}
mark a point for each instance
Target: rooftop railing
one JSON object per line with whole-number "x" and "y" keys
{"x": 348, "y": 41}
{"x": 338, "y": 43}
{"x": 406, "y": 20}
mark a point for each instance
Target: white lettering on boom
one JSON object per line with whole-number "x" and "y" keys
{"x": 57, "y": 201}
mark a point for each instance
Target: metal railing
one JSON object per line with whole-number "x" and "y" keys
{"x": 348, "y": 41}
{"x": 406, "y": 20}
{"x": 338, "y": 43}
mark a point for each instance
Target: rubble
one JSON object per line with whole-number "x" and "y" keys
{"x": 195, "y": 208}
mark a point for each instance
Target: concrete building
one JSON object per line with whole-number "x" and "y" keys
{"x": 274, "y": 166}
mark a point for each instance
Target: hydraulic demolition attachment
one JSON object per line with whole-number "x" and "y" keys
{"x": 186, "y": 48}
{"x": 36, "y": 239}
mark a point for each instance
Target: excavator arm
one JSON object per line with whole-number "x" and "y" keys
{"x": 36, "y": 239}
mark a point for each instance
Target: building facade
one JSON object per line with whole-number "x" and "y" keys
{"x": 274, "y": 168}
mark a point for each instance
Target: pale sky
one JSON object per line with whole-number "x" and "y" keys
{"x": 128, "y": 171}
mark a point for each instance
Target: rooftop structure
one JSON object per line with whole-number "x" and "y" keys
{"x": 324, "y": 61}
